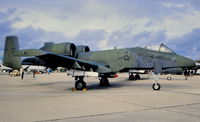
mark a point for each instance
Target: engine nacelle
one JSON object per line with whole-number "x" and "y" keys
{"x": 82, "y": 48}
{"x": 68, "y": 49}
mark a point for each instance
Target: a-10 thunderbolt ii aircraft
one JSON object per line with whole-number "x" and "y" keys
{"x": 106, "y": 63}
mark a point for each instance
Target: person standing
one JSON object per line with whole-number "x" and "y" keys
{"x": 188, "y": 73}
{"x": 192, "y": 73}
{"x": 9, "y": 71}
{"x": 185, "y": 74}
{"x": 34, "y": 72}
{"x": 22, "y": 73}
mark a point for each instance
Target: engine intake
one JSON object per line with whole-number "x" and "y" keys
{"x": 82, "y": 48}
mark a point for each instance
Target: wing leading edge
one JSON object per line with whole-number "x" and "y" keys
{"x": 55, "y": 60}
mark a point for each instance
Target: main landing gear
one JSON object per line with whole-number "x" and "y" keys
{"x": 104, "y": 81}
{"x": 132, "y": 77}
{"x": 80, "y": 83}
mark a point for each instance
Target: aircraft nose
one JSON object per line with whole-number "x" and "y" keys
{"x": 185, "y": 62}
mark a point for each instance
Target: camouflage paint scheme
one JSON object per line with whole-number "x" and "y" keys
{"x": 79, "y": 57}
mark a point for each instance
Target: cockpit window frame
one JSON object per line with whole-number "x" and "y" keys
{"x": 161, "y": 48}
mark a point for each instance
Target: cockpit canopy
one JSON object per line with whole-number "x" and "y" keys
{"x": 160, "y": 48}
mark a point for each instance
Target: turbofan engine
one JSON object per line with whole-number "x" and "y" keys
{"x": 66, "y": 48}
{"x": 82, "y": 48}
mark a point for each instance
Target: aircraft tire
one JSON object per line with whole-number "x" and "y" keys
{"x": 169, "y": 78}
{"x": 131, "y": 77}
{"x": 137, "y": 77}
{"x": 80, "y": 85}
{"x": 156, "y": 86}
{"x": 104, "y": 82}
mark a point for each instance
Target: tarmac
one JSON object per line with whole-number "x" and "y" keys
{"x": 50, "y": 98}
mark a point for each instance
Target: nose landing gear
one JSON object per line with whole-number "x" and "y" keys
{"x": 156, "y": 85}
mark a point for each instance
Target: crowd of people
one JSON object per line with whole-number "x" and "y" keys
{"x": 21, "y": 72}
{"x": 188, "y": 73}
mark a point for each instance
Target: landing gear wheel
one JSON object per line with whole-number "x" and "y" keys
{"x": 80, "y": 85}
{"x": 137, "y": 77}
{"x": 131, "y": 77}
{"x": 104, "y": 82}
{"x": 169, "y": 78}
{"x": 156, "y": 86}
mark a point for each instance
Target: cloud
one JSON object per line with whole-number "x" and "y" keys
{"x": 29, "y": 37}
{"x": 69, "y": 17}
{"x": 8, "y": 13}
{"x": 103, "y": 24}
{"x": 91, "y": 35}
{"x": 188, "y": 44}
{"x": 195, "y": 4}
{"x": 125, "y": 38}
{"x": 6, "y": 23}
{"x": 1, "y": 55}
{"x": 155, "y": 9}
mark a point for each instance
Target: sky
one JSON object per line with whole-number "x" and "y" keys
{"x": 103, "y": 24}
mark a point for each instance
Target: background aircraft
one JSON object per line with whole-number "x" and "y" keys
{"x": 3, "y": 68}
{"x": 106, "y": 63}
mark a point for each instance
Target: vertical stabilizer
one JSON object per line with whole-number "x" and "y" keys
{"x": 9, "y": 58}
